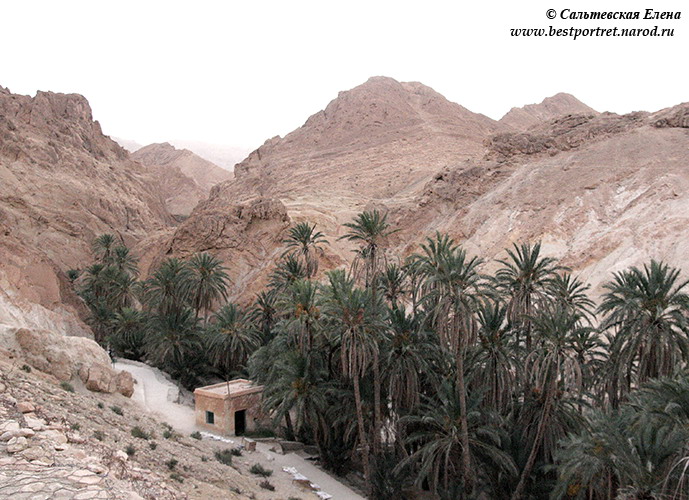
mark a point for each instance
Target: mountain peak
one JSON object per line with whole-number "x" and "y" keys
{"x": 551, "y": 107}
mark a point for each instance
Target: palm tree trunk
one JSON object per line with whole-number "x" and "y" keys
{"x": 362, "y": 431}
{"x": 290, "y": 428}
{"x": 542, "y": 424}
{"x": 377, "y": 419}
{"x": 464, "y": 424}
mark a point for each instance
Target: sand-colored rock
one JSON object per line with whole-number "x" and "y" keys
{"x": 561, "y": 104}
{"x": 184, "y": 178}
{"x": 62, "y": 182}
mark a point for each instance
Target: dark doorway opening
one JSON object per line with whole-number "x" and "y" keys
{"x": 239, "y": 422}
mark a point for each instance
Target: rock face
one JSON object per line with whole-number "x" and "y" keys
{"x": 550, "y": 108}
{"x": 184, "y": 178}
{"x": 381, "y": 141}
{"x": 246, "y": 236}
{"x": 602, "y": 191}
{"x": 62, "y": 182}
{"x": 65, "y": 358}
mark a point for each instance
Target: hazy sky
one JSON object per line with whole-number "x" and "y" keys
{"x": 239, "y": 72}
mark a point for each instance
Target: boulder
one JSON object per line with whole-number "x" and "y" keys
{"x": 125, "y": 383}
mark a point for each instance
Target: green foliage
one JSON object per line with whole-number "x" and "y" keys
{"x": 67, "y": 386}
{"x": 177, "y": 477}
{"x": 99, "y": 435}
{"x": 153, "y": 445}
{"x": 172, "y": 463}
{"x": 26, "y": 368}
{"x": 138, "y": 432}
{"x": 259, "y": 470}
{"x": 116, "y": 409}
{"x": 224, "y": 456}
{"x": 427, "y": 372}
{"x": 196, "y": 435}
{"x": 130, "y": 450}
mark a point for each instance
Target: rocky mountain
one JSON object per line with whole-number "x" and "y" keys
{"x": 62, "y": 183}
{"x": 223, "y": 155}
{"x": 381, "y": 141}
{"x": 184, "y": 177}
{"x": 602, "y": 191}
{"x": 550, "y": 108}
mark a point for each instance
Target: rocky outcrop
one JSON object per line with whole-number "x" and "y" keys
{"x": 62, "y": 183}
{"x": 245, "y": 236}
{"x": 66, "y": 358}
{"x": 562, "y": 134}
{"x": 603, "y": 193}
{"x": 184, "y": 178}
{"x": 531, "y": 115}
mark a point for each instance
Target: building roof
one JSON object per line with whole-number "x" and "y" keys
{"x": 231, "y": 389}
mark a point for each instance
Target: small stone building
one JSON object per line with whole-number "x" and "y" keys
{"x": 229, "y": 408}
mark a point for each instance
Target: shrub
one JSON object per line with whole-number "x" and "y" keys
{"x": 153, "y": 445}
{"x": 99, "y": 435}
{"x": 138, "y": 432}
{"x": 167, "y": 433}
{"x": 237, "y": 452}
{"x": 75, "y": 427}
{"x": 117, "y": 409}
{"x": 100, "y": 405}
{"x": 130, "y": 450}
{"x": 196, "y": 435}
{"x": 171, "y": 464}
{"x": 224, "y": 457}
{"x": 26, "y": 368}
{"x": 204, "y": 458}
{"x": 266, "y": 485}
{"x": 259, "y": 470}
{"x": 177, "y": 477}
{"x": 67, "y": 386}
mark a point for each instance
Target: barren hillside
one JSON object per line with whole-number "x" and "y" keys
{"x": 550, "y": 108}
{"x": 184, "y": 178}
{"x": 602, "y": 191}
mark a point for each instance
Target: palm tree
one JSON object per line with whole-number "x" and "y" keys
{"x": 174, "y": 339}
{"x": 369, "y": 230}
{"x": 305, "y": 241}
{"x": 298, "y": 386}
{"x": 357, "y": 317}
{"x": 647, "y": 311}
{"x": 523, "y": 279}
{"x": 495, "y": 360}
{"x": 167, "y": 289}
{"x": 207, "y": 282}
{"x": 452, "y": 288}
{"x": 288, "y": 270}
{"x": 300, "y": 308}
{"x": 439, "y": 446}
{"x": 553, "y": 371}
{"x": 124, "y": 261}
{"x": 230, "y": 339}
{"x": 103, "y": 248}
{"x": 393, "y": 284}
{"x": 129, "y": 330}
{"x": 264, "y": 314}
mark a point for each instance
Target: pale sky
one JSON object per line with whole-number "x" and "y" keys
{"x": 238, "y": 72}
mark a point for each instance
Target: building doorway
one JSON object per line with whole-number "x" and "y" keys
{"x": 239, "y": 422}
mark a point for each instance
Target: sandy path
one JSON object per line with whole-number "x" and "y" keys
{"x": 156, "y": 393}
